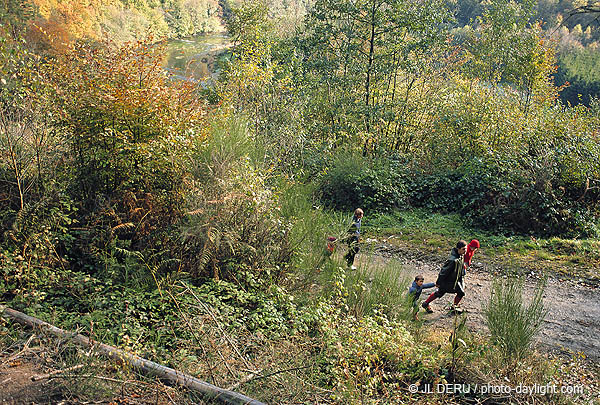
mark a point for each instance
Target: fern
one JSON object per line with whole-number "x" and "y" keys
{"x": 128, "y": 253}
{"x": 125, "y": 225}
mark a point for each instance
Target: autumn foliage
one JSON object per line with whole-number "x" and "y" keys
{"x": 59, "y": 22}
{"x": 123, "y": 111}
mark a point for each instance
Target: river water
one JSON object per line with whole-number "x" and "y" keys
{"x": 196, "y": 58}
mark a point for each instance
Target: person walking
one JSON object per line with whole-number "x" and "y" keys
{"x": 354, "y": 238}
{"x": 414, "y": 292}
{"x": 450, "y": 278}
{"x": 472, "y": 247}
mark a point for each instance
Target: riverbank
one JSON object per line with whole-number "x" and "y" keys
{"x": 197, "y": 57}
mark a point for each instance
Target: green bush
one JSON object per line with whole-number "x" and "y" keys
{"x": 579, "y": 68}
{"x": 353, "y": 181}
{"x": 374, "y": 359}
{"x": 437, "y": 192}
{"x": 504, "y": 198}
{"x": 510, "y": 200}
{"x": 233, "y": 216}
{"x": 38, "y": 241}
{"x": 514, "y": 195}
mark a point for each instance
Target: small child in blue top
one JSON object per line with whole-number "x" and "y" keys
{"x": 414, "y": 292}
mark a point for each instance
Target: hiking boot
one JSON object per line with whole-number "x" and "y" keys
{"x": 456, "y": 308}
{"x": 427, "y": 308}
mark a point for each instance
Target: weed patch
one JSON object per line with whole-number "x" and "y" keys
{"x": 512, "y": 323}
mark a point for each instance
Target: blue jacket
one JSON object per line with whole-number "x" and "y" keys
{"x": 415, "y": 291}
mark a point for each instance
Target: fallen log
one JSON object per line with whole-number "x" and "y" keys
{"x": 170, "y": 375}
{"x": 55, "y": 373}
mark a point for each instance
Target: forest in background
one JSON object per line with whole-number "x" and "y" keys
{"x": 575, "y": 32}
{"x": 576, "y": 35}
{"x": 124, "y": 20}
{"x": 166, "y": 218}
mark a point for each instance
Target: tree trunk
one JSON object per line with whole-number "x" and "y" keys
{"x": 370, "y": 64}
{"x": 146, "y": 366}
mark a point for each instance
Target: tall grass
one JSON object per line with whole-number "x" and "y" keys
{"x": 228, "y": 147}
{"x": 310, "y": 227}
{"x": 512, "y": 323}
{"x": 233, "y": 225}
{"x": 379, "y": 286}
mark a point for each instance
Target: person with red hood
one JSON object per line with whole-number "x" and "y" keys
{"x": 472, "y": 247}
{"x": 450, "y": 279}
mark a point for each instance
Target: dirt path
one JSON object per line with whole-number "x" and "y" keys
{"x": 572, "y": 324}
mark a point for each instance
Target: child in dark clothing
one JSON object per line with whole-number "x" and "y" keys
{"x": 353, "y": 238}
{"x": 414, "y": 292}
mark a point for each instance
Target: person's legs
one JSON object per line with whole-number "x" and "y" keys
{"x": 460, "y": 293}
{"x": 437, "y": 294}
{"x": 348, "y": 253}
{"x": 434, "y": 295}
{"x": 352, "y": 250}
{"x": 352, "y": 253}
